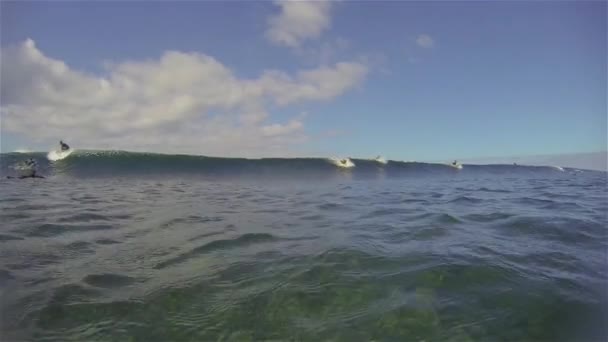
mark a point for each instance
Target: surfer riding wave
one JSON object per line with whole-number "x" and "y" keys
{"x": 64, "y": 146}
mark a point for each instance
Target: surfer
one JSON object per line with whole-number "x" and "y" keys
{"x": 31, "y": 165}
{"x": 64, "y": 146}
{"x": 30, "y": 162}
{"x": 455, "y": 163}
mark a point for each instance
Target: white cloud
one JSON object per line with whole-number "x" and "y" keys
{"x": 298, "y": 21}
{"x": 182, "y": 102}
{"x": 277, "y": 130}
{"x": 425, "y": 41}
{"x": 317, "y": 84}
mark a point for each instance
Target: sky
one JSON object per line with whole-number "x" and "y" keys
{"x": 406, "y": 80}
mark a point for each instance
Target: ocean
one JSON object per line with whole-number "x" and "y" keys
{"x": 119, "y": 246}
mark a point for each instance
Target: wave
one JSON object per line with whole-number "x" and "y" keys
{"x": 122, "y": 163}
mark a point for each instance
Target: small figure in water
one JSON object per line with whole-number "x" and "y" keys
{"x": 64, "y": 146}
{"x": 31, "y": 165}
{"x": 455, "y": 162}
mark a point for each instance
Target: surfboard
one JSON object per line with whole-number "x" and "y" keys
{"x": 59, "y": 155}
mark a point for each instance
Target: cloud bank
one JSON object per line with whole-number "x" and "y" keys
{"x": 181, "y": 102}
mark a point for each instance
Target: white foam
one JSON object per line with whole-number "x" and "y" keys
{"x": 58, "y": 155}
{"x": 381, "y": 160}
{"x": 457, "y": 166}
{"x": 342, "y": 162}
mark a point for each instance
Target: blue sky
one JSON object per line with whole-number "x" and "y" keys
{"x": 420, "y": 80}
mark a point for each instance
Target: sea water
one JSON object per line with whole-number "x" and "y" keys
{"x": 115, "y": 246}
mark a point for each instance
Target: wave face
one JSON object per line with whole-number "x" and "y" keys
{"x": 125, "y": 164}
